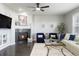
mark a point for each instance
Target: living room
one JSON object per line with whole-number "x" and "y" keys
{"x": 36, "y": 21}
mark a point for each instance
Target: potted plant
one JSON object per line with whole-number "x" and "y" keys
{"x": 61, "y": 29}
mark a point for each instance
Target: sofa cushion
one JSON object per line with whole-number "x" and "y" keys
{"x": 77, "y": 39}
{"x": 40, "y": 36}
{"x": 53, "y": 35}
{"x": 66, "y": 37}
{"x": 72, "y": 37}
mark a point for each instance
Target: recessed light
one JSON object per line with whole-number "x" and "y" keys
{"x": 23, "y": 13}
{"x": 20, "y": 9}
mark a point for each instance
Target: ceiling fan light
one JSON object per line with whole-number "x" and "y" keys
{"x": 38, "y": 9}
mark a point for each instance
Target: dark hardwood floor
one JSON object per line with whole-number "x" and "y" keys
{"x": 17, "y": 50}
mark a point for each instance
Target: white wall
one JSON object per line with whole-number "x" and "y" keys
{"x": 6, "y": 11}
{"x": 68, "y": 20}
{"x": 47, "y": 20}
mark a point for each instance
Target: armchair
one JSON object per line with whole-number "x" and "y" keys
{"x": 40, "y": 37}
{"x": 53, "y": 35}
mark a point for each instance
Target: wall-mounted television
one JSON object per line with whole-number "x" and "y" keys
{"x": 5, "y": 21}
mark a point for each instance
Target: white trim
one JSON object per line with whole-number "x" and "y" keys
{"x": 4, "y": 46}
{"x": 12, "y": 43}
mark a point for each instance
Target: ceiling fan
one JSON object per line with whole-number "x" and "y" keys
{"x": 40, "y": 8}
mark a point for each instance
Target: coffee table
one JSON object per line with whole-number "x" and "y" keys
{"x": 53, "y": 42}
{"x": 56, "y": 48}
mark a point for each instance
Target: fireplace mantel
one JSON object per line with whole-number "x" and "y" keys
{"x": 22, "y": 27}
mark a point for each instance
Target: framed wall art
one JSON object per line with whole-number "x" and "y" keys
{"x": 43, "y": 25}
{"x": 51, "y": 25}
{"x": 22, "y": 20}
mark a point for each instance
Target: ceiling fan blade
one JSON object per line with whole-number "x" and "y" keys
{"x": 44, "y": 7}
{"x": 37, "y": 5}
{"x": 30, "y": 7}
{"x": 41, "y": 9}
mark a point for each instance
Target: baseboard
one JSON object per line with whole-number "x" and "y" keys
{"x": 12, "y": 43}
{"x": 6, "y": 45}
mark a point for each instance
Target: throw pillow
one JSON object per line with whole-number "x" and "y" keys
{"x": 72, "y": 37}
{"x": 40, "y": 36}
{"x": 53, "y": 36}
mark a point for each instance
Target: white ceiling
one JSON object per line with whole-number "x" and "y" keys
{"x": 55, "y": 8}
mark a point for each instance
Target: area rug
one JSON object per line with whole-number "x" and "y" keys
{"x": 40, "y": 49}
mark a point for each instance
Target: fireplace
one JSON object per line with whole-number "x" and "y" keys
{"x": 22, "y": 35}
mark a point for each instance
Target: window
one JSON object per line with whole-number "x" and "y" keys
{"x": 76, "y": 24}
